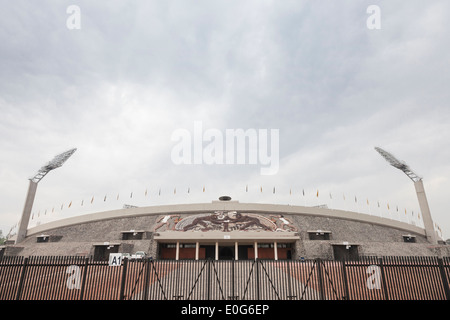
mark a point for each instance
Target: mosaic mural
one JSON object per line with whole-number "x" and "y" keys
{"x": 225, "y": 221}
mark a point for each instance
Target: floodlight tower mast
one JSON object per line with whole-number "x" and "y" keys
{"x": 56, "y": 162}
{"x": 420, "y": 190}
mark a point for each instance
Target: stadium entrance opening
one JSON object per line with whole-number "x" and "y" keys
{"x": 225, "y": 250}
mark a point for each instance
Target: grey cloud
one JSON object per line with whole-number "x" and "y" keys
{"x": 136, "y": 71}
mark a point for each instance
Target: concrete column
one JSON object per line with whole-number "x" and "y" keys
{"x": 177, "y": 251}
{"x": 236, "y": 251}
{"x": 197, "y": 246}
{"x": 23, "y": 225}
{"x": 426, "y": 214}
{"x": 275, "y": 250}
{"x": 217, "y": 251}
{"x": 256, "y": 249}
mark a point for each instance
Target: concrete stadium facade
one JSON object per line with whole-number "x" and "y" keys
{"x": 227, "y": 230}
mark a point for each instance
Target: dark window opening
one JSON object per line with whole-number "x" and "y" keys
{"x": 101, "y": 253}
{"x": 345, "y": 252}
{"x": 243, "y": 251}
{"x": 319, "y": 235}
{"x": 132, "y": 235}
{"x": 210, "y": 251}
{"x": 410, "y": 239}
{"x": 226, "y": 253}
{"x": 41, "y": 239}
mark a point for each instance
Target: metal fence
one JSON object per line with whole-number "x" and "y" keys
{"x": 77, "y": 278}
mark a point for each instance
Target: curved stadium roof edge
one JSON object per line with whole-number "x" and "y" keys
{"x": 228, "y": 205}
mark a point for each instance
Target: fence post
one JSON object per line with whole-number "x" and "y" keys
{"x": 383, "y": 278}
{"x": 289, "y": 264}
{"x": 124, "y": 276}
{"x": 319, "y": 275}
{"x": 233, "y": 279}
{"x": 147, "y": 277}
{"x": 22, "y": 278}
{"x": 257, "y": 279}
{"x": 209, "y": 280}
{"x": 345, "y": 280}
{"x": 83, "y": 281}
{"x": 444, "y": 278}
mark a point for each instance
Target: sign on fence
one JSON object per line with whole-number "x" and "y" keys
{"x": 115, "y": 259}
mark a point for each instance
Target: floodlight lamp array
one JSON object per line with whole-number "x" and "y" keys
{"x": 56, "y": 162}
{"x": 393, "y": 161}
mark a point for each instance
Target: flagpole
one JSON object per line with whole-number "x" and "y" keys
{"x": 379, "y": 210}
{"x": 331, "y": 201}
{"x": 317, "y": 197}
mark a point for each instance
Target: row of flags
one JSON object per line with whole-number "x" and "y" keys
{"x": 343, "y": 196}
{"x": 316, "y": 193}
{"x": 104, "y": 200}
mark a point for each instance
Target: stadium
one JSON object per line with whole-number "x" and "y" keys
{"x": 225, "y": 249}
{"x": 226, "y": 229}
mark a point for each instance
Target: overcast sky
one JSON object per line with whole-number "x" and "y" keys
{"x": 136, "y": 71}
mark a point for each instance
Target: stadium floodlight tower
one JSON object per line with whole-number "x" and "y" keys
{"x": 420, "y": 190}
{"x": 56, "y": 162}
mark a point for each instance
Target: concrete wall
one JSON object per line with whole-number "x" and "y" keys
{"x": 373, "y": 237}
